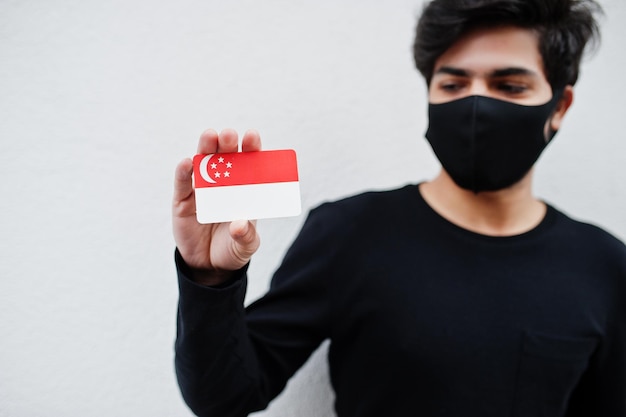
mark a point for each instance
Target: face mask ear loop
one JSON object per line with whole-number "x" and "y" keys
{"x": 556, "y": 98}
{"x": 473, "y": 144}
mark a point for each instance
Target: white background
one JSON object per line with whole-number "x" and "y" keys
{"x": 100, "y": 100}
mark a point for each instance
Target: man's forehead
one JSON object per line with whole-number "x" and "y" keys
{"x": 497, "y": 50}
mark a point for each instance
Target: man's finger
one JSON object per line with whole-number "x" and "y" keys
{"x": 183, "y": 187}
{"x": 251, "y": 141}
{"x": 246, "y": 239}
{"x": 208, "y": 142}
{"x": 228, "y": 141}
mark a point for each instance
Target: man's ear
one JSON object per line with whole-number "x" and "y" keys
{"x": 567, "y": 98}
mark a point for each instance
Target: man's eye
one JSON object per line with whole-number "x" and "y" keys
{"x": 451, "y": 87}
{"x": 512, "y": 88}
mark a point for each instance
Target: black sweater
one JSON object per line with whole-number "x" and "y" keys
{"x": 424, "y": 318}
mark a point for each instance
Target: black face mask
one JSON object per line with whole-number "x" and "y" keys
{"x": 486, "y": 144}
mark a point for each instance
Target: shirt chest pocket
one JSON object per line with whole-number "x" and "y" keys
{"x": 549, "y": 370}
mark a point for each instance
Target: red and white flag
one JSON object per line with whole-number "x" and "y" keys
{"x": 246, "y": 185}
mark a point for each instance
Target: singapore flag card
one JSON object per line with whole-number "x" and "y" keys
{"x": 246, "y": 185}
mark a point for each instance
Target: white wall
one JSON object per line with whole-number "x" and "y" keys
{"x": 100, "y": 100}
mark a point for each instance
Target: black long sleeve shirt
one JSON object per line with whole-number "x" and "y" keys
{"x": 424, "y": 318}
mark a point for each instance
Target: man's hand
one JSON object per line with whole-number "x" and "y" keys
{"x": 212, "y": 250}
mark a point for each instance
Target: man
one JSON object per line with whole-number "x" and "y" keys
{"x": 461, "y": 296}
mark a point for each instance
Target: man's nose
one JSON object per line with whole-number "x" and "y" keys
{"x": 478, "y": 88}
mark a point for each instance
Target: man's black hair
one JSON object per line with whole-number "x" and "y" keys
{"x": 564, "y": 28}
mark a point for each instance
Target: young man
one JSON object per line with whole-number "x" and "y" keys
{"x": 469, "y": 296}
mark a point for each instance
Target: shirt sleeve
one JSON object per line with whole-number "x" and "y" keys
{"x": 232, "y": 360}
{"x": 212, "y": 357}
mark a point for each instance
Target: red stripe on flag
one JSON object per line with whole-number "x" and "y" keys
{"x": 241, "y": 168}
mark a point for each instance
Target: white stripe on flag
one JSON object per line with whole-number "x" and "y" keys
{"x": 248, "y": 202}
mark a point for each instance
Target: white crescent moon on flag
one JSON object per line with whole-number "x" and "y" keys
{"x": 204, "y": 172}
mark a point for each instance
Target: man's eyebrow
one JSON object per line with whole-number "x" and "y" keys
{"x": 505, "y": 72}
{"x": 502, "y": 72}
{"x": 453, "y": 71}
